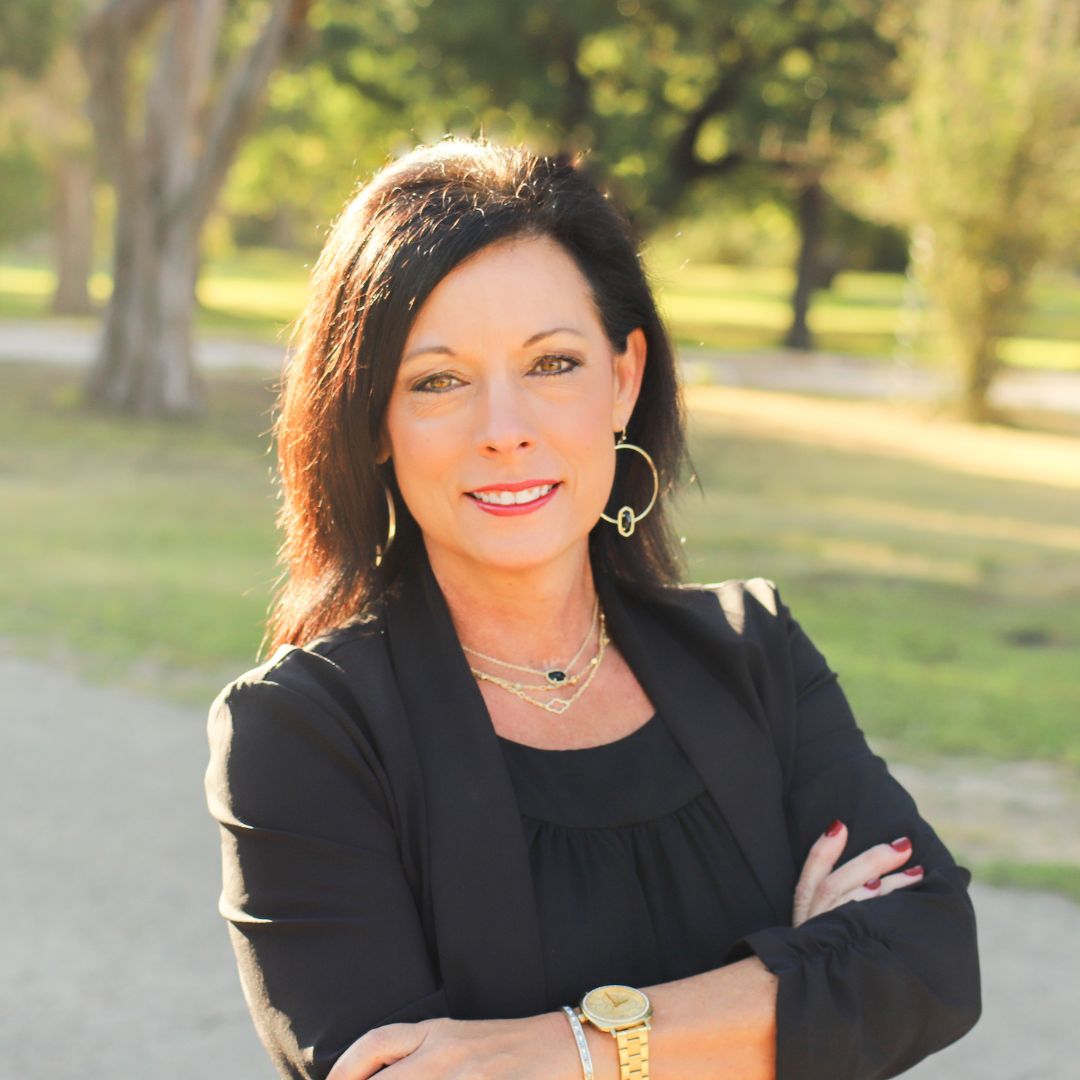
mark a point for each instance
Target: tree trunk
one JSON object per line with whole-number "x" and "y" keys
{"x": 144, "y": 364}
{"x": 166, "y": 182}
{"x": 979, "y": 365}
{"x": 808, "y": 269}
{"x": 72, "y": 234}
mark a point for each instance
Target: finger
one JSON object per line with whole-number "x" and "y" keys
{"x": 875, "y": 887}
{"x": 378, "y": 1047}
{"x": 820, "y": 860}
{"x": 875, "y": 862}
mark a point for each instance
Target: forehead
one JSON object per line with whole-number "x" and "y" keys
{"x": 510, "y": 285}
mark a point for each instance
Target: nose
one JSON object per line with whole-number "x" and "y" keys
{"x": 504, "y": 424}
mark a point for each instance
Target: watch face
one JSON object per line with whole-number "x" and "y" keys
{"x": 616, "y": 1005}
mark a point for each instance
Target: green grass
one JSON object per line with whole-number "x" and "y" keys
{"x": 257, "y": 293}
{"x": 1061, "y": 878}
{"x": 148, "y": 551}
{"x": 948, "y": 640}
{"x": 142, "y": 547}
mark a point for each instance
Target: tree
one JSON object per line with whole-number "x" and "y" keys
{"x": 987, "y": 150}
{"x": 42, "y": 102}
{"x": 663, "y": 95}
{"x": 166, "y": 151}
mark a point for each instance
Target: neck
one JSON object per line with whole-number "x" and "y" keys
{"x": 535, "y": 617}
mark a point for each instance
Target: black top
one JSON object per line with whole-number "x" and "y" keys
{"x": 637, "y": 877}
{"x": 375, "y": 868}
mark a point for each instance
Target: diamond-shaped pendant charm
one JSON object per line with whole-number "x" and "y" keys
{"x": 555, "y": 677}
{"x": 557, "y": 705}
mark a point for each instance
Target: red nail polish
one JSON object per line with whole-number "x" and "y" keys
{"x": 834, "y": 828}
{"x": 903, "y": 844}
{"x": 873, "y": 883}
{"x": 913, "y": 871}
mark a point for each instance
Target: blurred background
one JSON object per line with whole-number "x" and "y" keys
{"x": 861, "y": 221}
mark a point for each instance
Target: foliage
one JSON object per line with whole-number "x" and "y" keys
{"x": 30, "y": 31}
{"x": 23, "y": 209}
{"x": 41, "y": 95}
{"x": 662, "y": 95}
{"x": 988, "y": 151}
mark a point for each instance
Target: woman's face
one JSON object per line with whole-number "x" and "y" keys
{"x": 507, "y": 377}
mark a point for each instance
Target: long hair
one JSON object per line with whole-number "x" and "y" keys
{"x": 399, "y": 235}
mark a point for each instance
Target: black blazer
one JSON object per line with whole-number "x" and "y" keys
{"x": 375, "y": 869}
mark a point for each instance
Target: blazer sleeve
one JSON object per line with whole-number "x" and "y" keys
{"x": 872, "y": 987}
{"x": 322, "y": 920}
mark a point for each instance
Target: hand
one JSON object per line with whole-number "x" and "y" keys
{"x": 532, "y": 1048}
{"x": 820, "y": 888}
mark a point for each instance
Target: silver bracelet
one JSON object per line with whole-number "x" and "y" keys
{"x": 582, "y": 1043}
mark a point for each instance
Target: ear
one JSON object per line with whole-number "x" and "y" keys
{"x": 629, "y": 369}
{"x": 382, "y": 451}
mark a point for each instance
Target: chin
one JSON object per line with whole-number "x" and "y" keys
{"x": 524, "y": 557}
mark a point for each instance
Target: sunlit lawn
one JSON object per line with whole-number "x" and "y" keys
{"x": 147, "y": 552}
{"x": 947, "y": 602}
{"x": 257, "y": 294}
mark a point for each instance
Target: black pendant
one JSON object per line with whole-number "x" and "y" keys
{"x": 555, "y": 677}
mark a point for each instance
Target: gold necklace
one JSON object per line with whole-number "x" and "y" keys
{"x": 554, "y": 705}
{"x": 556, "y": 676}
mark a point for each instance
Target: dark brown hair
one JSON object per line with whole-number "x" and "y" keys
{"x": 400, "y": 234}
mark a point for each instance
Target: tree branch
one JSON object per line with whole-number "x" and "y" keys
{"x": 240, "y": 99}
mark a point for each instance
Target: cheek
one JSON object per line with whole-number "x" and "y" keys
{"x": 595, "y": 465}
{"x": 423, "y": 459}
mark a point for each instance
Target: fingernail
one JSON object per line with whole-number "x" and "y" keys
{"x": 834, "y": 828}
{"x": 903, "y": 844}
{"x": 913, "y": 871}
{"x": 873, "y": 883}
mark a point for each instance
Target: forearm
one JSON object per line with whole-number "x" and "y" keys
{"x": 721, "y": 1022}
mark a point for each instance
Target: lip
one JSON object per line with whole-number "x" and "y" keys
{"x": 513, "y": 510}
{"x": 517, "y": 485}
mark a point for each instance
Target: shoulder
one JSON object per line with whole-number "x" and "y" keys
{"x": 322, "y": 673}
{"x": 742, "y": 598}
{"x": 296, "y": 721}
{"x": 290, "y": 736}
{"x": 740, "y": 607}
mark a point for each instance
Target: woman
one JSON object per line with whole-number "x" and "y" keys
{"x": 505, "y": 785}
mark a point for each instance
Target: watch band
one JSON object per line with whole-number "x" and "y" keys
{"x": 633, "y": 1052}
{"x": 633, "y": 1047}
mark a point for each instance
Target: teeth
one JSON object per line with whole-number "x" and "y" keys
{"x": 512, "y": 498}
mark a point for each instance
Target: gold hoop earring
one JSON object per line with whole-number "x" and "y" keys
{"x": 626, "y": 520}
{"x": 380, "y": 550}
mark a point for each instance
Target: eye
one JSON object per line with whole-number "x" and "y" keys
{"x": 435, "y": 384}
{"x": 556, "y": 357}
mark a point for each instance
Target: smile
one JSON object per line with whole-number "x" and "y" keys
{"x": 507, "y": 498}
{"x": 514, "y": 502}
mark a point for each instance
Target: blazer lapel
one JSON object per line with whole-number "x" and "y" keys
{"x": 696, "y": 671}
{"x": 486, "y": 923}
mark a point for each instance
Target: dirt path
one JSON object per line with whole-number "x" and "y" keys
{"x": 73, "y": 342}
{"x": 111, "y": 934}
{"x": 1012, "y": 811}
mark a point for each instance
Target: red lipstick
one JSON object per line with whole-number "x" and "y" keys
{"x": 516, "y": 485}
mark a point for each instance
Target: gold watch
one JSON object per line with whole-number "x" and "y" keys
{"x": 625, "y": 1012}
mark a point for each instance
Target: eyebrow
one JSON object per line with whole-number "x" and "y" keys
{"x": 447, "y": 351}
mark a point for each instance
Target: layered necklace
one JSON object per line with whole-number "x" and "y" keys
{"x": 554, "y": 677}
